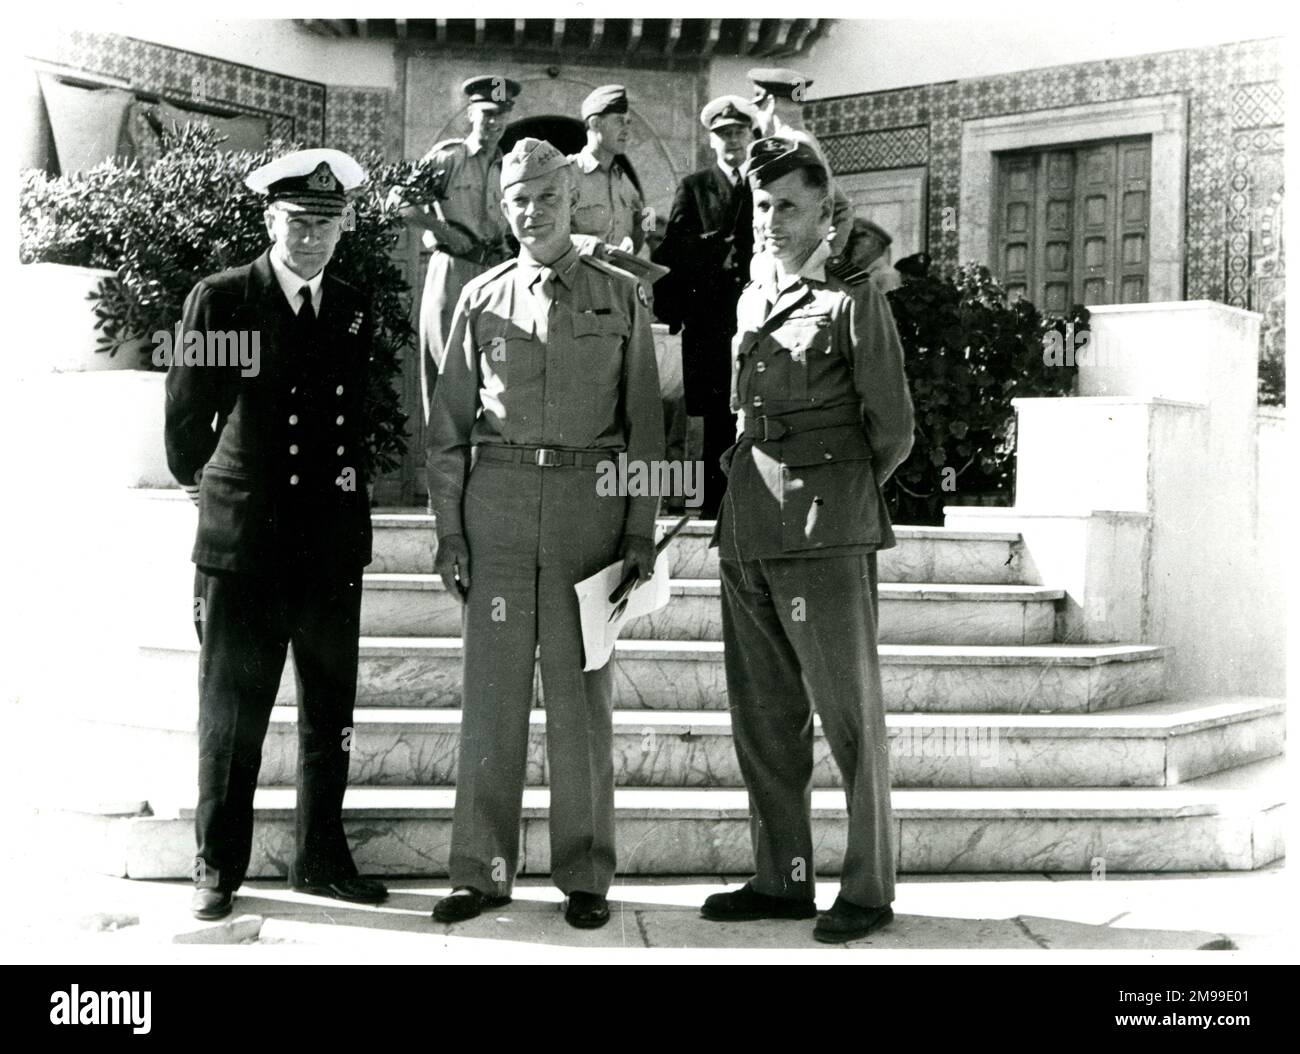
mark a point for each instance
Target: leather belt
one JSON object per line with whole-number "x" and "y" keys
{"x": 766, "y": 429}
{"x": 544, "y": 457}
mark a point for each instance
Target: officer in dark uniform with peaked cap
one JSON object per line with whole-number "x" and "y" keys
{"x": 825, "y": 418}
{"x": 284, "y": 525}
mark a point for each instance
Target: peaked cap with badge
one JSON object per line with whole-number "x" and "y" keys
{"x": 728, "y": 109}
{"x": 777, "y": 155}
{"x": 310, "y": 181}
{"x": 491, "y": 91}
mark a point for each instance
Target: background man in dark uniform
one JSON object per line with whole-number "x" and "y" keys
{"x": 551, "y": 372}
{"x": 826, "y": 417}
{"x": 284, "y": 525}
{"x": 464, "y": 227}
{"x": 708, "y": 245}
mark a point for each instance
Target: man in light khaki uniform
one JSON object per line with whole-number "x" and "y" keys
{"x": 550, "y": 373}
{"x": 825, "y": 419}
{"x": 464, "y": 228}
{"x": 609, "y": 205}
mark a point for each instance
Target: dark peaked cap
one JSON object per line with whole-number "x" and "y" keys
{"x": 771, "y": 158}
{"x": 778, "y": 81}
{"x": 491, "y": 89}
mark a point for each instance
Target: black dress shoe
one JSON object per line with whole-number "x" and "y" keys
{"x": 208, "y": 905}
{"x": 355, "y": 890}
{"x": 746, "y": 904}
{"x": 586, "y": 911}
{"x": 465, "y": 902}
{"x": 847, "y": 921}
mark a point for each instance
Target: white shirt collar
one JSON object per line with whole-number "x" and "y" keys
{"x": 732, "y": 174}
{"x": 291, "y": 285}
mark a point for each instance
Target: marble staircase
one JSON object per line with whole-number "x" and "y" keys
{"x": 1012, "y": 748}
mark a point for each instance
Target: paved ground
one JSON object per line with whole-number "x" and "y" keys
{"x": 1243, "y": 914}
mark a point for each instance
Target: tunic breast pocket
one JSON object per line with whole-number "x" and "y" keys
{"x": 595, "y": 370}
{"x": 802, "y": 338}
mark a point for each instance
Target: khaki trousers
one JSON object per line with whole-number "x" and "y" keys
{"x": 800, "y": 636}
{"x": 532, "y": 534}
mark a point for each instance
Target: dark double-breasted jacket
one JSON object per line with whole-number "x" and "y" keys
{"x": 276, "y": 448}
{"x": 708, "y": 245}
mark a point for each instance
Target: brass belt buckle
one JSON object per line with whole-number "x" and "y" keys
{"x": 545, "y": 458}
{"x": 782, "y": 430}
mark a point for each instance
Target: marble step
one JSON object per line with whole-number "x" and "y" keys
{"x": 1230, "y": 821}
{"x": 404, "y": 544}
{"x": 418, "y": 605}
{"x": 688, "y": 675}
{"x": 1149, "y": 745}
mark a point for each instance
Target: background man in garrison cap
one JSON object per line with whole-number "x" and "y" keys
{"x": 609, "y": 204}
{"x": 550, "y": 373}
{"x": 825, "y": 418}
{"x": 463, "y": 226}
{"x": 284, "y": 526}
{"x": 708, "y": 244}
{"x": 779, "y": 95}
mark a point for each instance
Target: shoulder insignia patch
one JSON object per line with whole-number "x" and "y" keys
{"x": 640, "y": 295}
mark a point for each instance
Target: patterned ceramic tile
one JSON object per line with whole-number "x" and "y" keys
{"x": 295, "y": 108}
{"x": 1230, "y": 88}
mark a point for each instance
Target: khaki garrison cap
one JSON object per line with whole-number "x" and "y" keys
{"x": 529, "y": 159}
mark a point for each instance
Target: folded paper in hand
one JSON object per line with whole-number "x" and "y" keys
{"x": 599, "y": 632}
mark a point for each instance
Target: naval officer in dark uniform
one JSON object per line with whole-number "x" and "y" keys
{"x": 550, "y": 374}
{"x": 825, "y": 418}
{"x": 708, "y": 247}
{"x": 273, "y": 456}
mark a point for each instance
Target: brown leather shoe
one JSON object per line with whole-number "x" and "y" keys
{"x": 208, "y": 905}
{"x": 465, "y": 902}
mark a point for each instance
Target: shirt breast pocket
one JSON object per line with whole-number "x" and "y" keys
{"x": 509, "y": 352}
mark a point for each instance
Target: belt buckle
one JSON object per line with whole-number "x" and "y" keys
{"x": 782, "y": 430}
{"x": 546, "y": 458}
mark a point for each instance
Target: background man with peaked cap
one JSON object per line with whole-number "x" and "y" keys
{"x": 463, "y": 227}
{"x": 283, "y": 526}
{"x": 609, "y": 205}
{"x": 779, "y": 95}
{"x": 550, "y": 373}
{"x": 708, "y": 244}
{"x": 825, "y": 418}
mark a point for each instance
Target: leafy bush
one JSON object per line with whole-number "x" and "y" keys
{"x": 969, "y": 352}
{"x": 189, "y": 215}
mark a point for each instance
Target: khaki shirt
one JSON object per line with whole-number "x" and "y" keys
{"x": 804, "y": 342}
{"x": 608, "y": 203}
{"x": 581, "y": 376}
{"x": 469, "y": 189}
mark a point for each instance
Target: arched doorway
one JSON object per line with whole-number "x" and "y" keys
{"x": 566, "y": 134}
